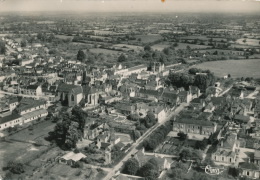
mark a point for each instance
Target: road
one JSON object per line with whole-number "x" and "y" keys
{"x": 133, "y": 149}
{"x": 251, "y": 95}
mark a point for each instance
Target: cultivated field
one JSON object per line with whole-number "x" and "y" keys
{"x": 64, "y": 37}
{"x": 104, "y": 51}
{"x": 192, "y": 46}
{"x": 147, "y": 38}
{"x": 128, "y": 47}
{"x": 236, "y": 68}
{"x": 250, "y": 42}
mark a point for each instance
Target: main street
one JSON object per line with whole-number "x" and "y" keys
{"x": 133, "y": 149}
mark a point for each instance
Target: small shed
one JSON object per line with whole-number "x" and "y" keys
{"x": 71, "y": 158}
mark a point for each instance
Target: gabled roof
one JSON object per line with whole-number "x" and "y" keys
{"x": 247, "y": 165}
{"x": 69, "y": 88}
{"x": 195, "y": 122}
{"x": 9, "y": 118}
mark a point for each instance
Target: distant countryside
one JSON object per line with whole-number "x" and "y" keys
{"x": 237, "y": 68}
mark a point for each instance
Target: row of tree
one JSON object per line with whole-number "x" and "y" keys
{"x": 157, "y": 137}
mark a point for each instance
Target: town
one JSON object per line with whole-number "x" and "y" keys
{"x": 136, "y": 96}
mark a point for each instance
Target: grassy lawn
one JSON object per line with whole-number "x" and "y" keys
{"x": 38, "y": 132}
{"x": 237, "y": 68}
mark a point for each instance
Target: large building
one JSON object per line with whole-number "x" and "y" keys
{"x": 194, "y": 126}
{"x": 71, "y": 94}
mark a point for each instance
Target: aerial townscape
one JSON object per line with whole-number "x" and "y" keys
{"x": 129, "y": 96}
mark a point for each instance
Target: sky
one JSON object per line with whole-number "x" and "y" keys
{"x": 132, "y": 5}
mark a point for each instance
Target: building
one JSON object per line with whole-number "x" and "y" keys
{"x": 71, "y": 158}
{"x": 194, "y": 126}
{"x": 10, "y": 121}
{"x": 35, "y": 90}
{"x": 249, "y": 170}
{"x": 227, "y": 149}
{"x": 29, "y": 105}
{"x": 69, "y": 94}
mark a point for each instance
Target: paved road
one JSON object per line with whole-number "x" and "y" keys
{"x": 133, "y": 149}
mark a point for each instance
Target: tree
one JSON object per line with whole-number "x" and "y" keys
{"x": 233, "y": 171}
{"x": 72, "y": 136}
{"x": 149, "y": 170}
{"x": 79, "y": 116}
{"x": 177, "y": 174}
{"x": 244, "y": 41}
{"x": 23, "y": 43}
{"x": 185, "y": 154}
{"x": 16, "y": 168}
{"x": 182, "y": 136}
{"x": 200, "y": 176}
{"x": 131, "y": 166}
{"x": 201, "y": 144}
{"x": 147, "y": 48}
{"x": 81, "y": 55}
{"x": 2, "y": 47}
{"x": 121, "y": 58}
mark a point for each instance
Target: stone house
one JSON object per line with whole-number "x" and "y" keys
{"x": 226, "y": 150}
{"x": 194, "y": 126}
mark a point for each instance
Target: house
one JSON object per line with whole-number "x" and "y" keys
{"x": 70, "y": 94}
{"x": 159, "y": 113}
{"x": 142, "y": 157}
{"x": 249, "y": 169}
{"x": 197, "y": 103}
{"x": 29, "y": 105}
{"x": 227, "y": 149}
{"x": 170, "y": 98}
{"x": 213, "y": 91}
{"x": 35, "y": 90}
{"x": 126, "y": 108}
{"x": 185, "y": 96}
{"x": 10, "y": 121}
{"x": 93, "y": 130}
{"x": 194, "y": 126}
{"x": 256, "y": 159}
{"x": 30, "y": 116}
{"x": 71, "y": 158}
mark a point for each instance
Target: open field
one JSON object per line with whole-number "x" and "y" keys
{"x": 236, "y": 68}
{"x": 19, "y": 148}
{"x": 64, "y": 37}
{"x": 192, "y": 46}
{"x": 104, "y": 51}
{"x": 147, "y": 38}
{"x": 128, "y": 47}
{"x": 160, "y": 46}
{"x": 250, "y": 42}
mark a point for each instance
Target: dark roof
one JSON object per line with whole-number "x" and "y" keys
{"x": 196, "y": 122}
{"x": 9, "y": 118}
{"x": 34, "y": 87}
{"x": 27, "y": 103}
{"x": 69, "y": 88}
{"x": 246, "y": 165}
